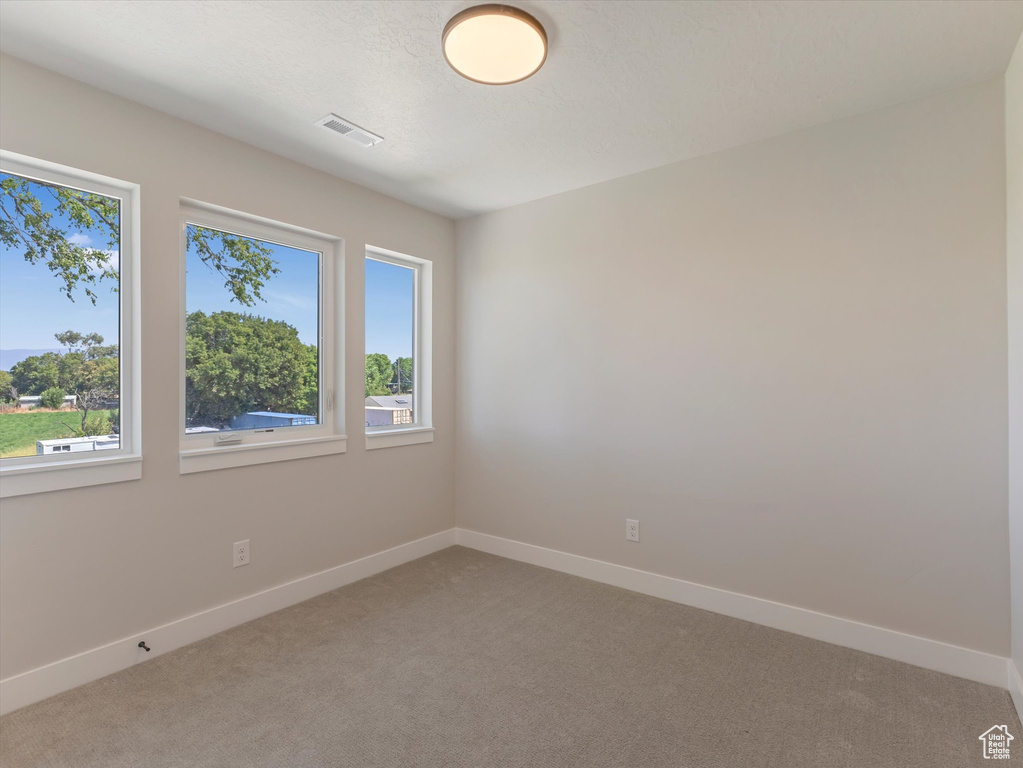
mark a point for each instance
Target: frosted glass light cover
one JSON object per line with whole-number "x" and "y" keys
{"x": 495, "y": 44}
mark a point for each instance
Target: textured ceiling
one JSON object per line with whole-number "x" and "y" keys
{"x": 628, "y": 85}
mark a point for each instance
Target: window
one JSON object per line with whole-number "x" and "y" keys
{"x": 259, "y": 343}
{"x": 69, "y": 383}
{"x": 398, "y": 349}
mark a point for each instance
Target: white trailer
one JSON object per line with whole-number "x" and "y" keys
{"x": 78, "y": 444}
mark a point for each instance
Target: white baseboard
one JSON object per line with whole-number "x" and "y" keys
{"x": 1016, "y": 689}
{"x": 919, "y": 651}
{"x": 37, "y": 684}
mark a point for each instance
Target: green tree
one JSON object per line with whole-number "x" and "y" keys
{"x": 96, "y": 424}
{"x": 309, "y": 399}
{"x": 235, "y": 363}
{"x": 27, "y": 225}
{"x": 91, "y": 371}
{"x": 7, "y": 388}
{"x": 378, "y": 374}
{"x": 35, "y": 374}
{"x": 52, "y": 398}
{"x": 402, "y": 379}
{"x": 78, "y": 342}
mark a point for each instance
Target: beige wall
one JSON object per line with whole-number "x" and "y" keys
{"x": 84, "y": 567}
{"x": 1014, "y": 252}
{"x": 787, "y": 360}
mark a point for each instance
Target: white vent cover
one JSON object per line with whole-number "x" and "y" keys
{"x": 350, "y": 130}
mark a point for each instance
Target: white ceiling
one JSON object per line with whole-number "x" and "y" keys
{"x": 627, "y": 86}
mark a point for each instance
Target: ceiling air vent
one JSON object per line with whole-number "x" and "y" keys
{"x": 350, "y": 130}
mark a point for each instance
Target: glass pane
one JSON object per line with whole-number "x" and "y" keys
{"x": 390, "y": 330}
{"x": 252, "y": 358}
{"x": 59, "y": 319}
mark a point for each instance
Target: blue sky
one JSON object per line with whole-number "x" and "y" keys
{"x": 291, "y": 296}
{"x": 388, "y": 309}
{"x": 33, "y": 306}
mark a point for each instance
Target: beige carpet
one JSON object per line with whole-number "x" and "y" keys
{"x": 466, "y": 660}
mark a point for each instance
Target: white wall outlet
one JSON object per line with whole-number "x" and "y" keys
{"x": 632, "y": 530}
{"x": 241, "y": 553}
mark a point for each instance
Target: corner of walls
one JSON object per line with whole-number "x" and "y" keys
{"x": 1014, "y": 277}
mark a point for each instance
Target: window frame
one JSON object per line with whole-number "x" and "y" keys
{"x": 421, "y": 429}
{"x": 39, "y": 474}
{"x": 201, "y": 452}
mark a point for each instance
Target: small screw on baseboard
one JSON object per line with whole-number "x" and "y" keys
{"x": 143, "y": 646}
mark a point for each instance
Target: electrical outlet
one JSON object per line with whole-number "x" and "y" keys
{"x": 241, "y": 553}
{"x": 632, "y": 530}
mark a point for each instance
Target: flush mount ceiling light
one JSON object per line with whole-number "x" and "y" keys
{"x": 494, "y": 44}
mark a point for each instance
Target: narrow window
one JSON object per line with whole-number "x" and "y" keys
{"x": 398, "y": 349}
{"x": 68, "y": 385}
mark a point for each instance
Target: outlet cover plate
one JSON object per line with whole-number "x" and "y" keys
{"x": 632, "y": 530}
{"x": 241, "y": 553}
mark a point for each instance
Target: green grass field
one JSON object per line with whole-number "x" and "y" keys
{"x": 19, "y": 431}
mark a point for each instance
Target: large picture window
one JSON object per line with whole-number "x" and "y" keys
{"x": 68, "y": 383}
{"x": 259, "y": 342}
{"x": 398, "y": 349}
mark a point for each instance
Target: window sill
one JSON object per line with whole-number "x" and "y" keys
{"x": 24, "y": 479}
{"x": 228, "y": 456}
{"x": 392, "y": 438}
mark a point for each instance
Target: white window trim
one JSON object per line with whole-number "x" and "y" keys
{"x": 421, "y": 430}
{"x": 200, "y": 452}
{"x": 39, "y": 474}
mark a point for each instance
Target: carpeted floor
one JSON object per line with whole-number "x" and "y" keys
{"x": 466, "y": 660}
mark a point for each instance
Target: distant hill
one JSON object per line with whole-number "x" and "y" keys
{"x": 9, "y": 357}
